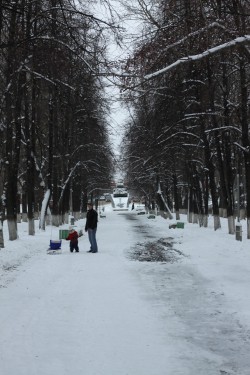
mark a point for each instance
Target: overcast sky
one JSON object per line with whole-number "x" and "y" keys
{"x": 119, "y": 113}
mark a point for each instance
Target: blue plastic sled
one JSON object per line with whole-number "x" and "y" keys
{"x": 55, "y": 247}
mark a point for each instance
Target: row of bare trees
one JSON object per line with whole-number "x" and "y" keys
{"x": 189, "y": 83}
{"x": 53, "y": 133}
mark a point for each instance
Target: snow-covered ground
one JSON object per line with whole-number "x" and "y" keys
{"x": 113, "y": 313}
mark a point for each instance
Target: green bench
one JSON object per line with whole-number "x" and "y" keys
{"x": 179, "y": 225}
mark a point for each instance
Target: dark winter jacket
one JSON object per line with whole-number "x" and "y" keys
{"x": 91, "y": 219}
{"x": 73, "y": 237}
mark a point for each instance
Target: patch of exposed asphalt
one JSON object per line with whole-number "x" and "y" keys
{"x": 155, "y": 250}
{"x": 161, "y": 250}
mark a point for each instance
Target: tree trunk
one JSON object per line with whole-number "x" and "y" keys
{"x": 12, "y": 154}
{"x": 1, "y": 214}
{"x": 29, "y": 123}
{"x": 208, "y": 157}
{"x": 176, "y": 197}
{"x": 245, "y": 138}
{"x": 24, "y": 205}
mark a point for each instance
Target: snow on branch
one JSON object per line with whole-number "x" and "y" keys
{"x": 164, "y": 201}
{"x": 244, "y": 149}
{"x": 45, "y": 203}
{"x": 177, "y": 134}
{"x": 71, "y": 173}
{"x": 196, "y": 33}
{"x": 67, "y": 181}
{"x": 200, "y": 56}
{"x": 39, "y": 75}
{"x": 224, "y": 128}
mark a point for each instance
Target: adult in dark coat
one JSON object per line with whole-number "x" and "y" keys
{"x": 91, "y": 227}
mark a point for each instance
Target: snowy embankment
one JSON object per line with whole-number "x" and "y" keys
{"x": 107, "y": 313}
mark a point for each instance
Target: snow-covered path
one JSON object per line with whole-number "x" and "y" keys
{"x": 103, "y": 314}
{"x": 81, "y": 314}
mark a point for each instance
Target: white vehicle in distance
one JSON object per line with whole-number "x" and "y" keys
{"x": 140, "y": 208}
